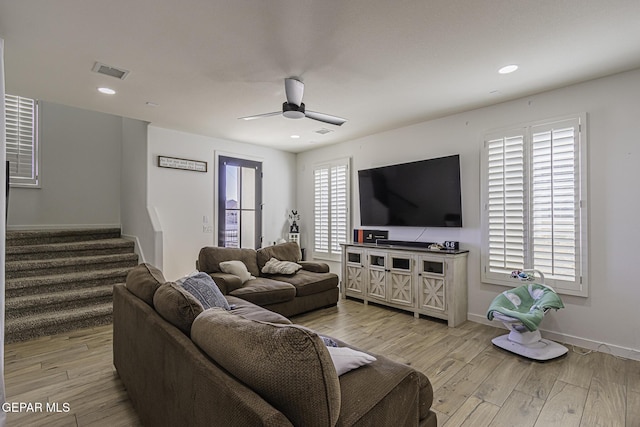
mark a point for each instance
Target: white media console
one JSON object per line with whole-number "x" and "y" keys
{"x": 433, "y": 283}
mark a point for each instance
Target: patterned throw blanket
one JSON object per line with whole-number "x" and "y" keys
{"x": 526, "y": 303}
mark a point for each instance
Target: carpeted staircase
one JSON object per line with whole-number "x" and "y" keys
{"x": 61, "y": 280}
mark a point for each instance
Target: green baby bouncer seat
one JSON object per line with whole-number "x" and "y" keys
{"x": 521, "y": 310}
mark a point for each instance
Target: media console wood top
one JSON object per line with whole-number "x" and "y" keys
{"x": 405, "y": 248}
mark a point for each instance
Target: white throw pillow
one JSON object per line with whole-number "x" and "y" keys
{"x": 346, "y": 359}
{"x": 237, "y": 268}
{"x": 275, "y": 266}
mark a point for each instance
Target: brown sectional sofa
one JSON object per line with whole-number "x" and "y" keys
{"x": 310, "y": 288}
{"x": 246, "y": 367}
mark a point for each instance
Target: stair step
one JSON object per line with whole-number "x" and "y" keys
{"x": 57, "y": 301}
{"x": 30, "y": 268}
{"x": 35, "y": 237}
{"x": 22, "y": 286}
{"x": 69, "y": 249}
{"x": 36, "y": 325}
{"x": 62, "y": 280}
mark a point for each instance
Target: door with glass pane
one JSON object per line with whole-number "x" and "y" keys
{"x": 239, "y": 203}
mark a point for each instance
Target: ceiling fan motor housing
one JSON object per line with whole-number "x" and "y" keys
{"x": 293, "y": 111}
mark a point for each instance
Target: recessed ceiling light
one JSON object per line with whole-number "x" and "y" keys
{"x": 106, "y": 91}
{"x": 508, "y": 69}
{"x": 295, "y": 136}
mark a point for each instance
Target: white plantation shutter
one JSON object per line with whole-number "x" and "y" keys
{"x": 533, "y": 193}
{"x": 338, "y": 207}
{"x": 321, "y": 211}
{"x": 554, "y": 195}
{"x": 331, "y": 208}
{"x": 506, "y": 203}
{"x": 21, "y": 140}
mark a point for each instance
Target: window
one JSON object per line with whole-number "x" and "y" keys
{"x": 21, "y": 116}
{"x": 239, "y": 203}
{"x": 534, "y": 204}
{"x": 331, "y": 208}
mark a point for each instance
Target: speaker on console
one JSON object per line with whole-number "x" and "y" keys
{"x": 369, "y": 236}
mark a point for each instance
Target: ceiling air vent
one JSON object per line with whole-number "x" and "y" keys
{"x": 108, "y": 70}
{"x": 323, "y": 131}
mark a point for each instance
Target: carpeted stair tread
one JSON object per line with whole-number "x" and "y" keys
{"x": 21, "y": 286}
{"x": 32, "y": 326}
{"x": 61, "y": 280}
{"x": 69, "y": 249}
{"x": 45, "y": 300}
{"x": 67, "y": 265}
{"x": 28, "y": 237}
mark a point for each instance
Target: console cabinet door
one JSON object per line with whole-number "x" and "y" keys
{"x": 432, "y": 284}
{"x": 400, "y": 279}
{"x": 377, "y": 277}
{"x": 354, "y": 272}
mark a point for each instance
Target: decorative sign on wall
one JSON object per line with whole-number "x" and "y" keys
{"x": 184, "y": 164}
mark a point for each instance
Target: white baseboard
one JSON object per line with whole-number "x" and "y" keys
{"x": 29, "y": 227}
{"x": 588, "y": 344}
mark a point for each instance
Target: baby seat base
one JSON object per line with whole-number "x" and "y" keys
{"x": 542, "y": 349}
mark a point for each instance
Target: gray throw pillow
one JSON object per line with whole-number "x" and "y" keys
{"x": 205, "y": 290}
{"x": 177, "y": 306}
{"x": 275, "y": 266}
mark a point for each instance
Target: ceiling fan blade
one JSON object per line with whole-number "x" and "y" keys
{"x": 259, "y": 116}
{"x": 294, "y": 89}
{"x": 326, "y": 118}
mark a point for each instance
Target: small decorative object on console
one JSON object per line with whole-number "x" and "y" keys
{"x": 451, "y": 245}
{"x": 435, "y": 247}
{"x": 294, "y": 216}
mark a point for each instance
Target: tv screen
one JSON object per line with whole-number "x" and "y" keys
{"x": 425, "y": 193}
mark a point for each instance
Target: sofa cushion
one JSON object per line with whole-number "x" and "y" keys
{"x": 284, "y": 252}
{"x": 204, "y": 289}
{"x": 237, "y": 268}
{"x": 314, "y": 266}
{"x": 210, "y": 257}
{"x": 376, "y": 383}
{"x": 286, "y": 365}
{"x": 177, "y": 306}
{"x": 143, "y": 280}
{"x": 308, "y": 283}
{"x": 226, "y": 282}
{"x": 263, "y": 291}
{"x": 251, "y": 311}
{"x": 275, "y": 266}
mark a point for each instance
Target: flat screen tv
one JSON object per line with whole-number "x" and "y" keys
{"x": 425, "y": 193}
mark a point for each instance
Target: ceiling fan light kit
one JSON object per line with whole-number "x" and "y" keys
{"x": 293, "y": 107}
{"x": 292, "y": 111}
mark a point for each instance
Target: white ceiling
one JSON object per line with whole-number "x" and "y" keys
{"x": 381, "y": 64}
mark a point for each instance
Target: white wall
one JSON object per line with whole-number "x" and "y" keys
{"x": 136, "y": 223}
{"x": 80, "y": 155}
{"x": 610, "y": 313}
{"x": 182, "y": 198}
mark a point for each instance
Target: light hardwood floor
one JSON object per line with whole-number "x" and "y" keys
{"x": 474, "y": 383}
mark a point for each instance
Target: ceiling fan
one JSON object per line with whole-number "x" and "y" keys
{"x": 293, "y": 107}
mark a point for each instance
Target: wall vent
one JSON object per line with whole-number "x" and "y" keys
{"x": 108, "y": 70}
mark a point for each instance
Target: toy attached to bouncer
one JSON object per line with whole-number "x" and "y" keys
{"x": 521, "y": 310}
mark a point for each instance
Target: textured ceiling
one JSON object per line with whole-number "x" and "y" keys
{"x": 379, "y": 64}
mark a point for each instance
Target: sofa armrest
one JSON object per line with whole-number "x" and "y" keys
{"x": 226, "y": 282}
{"x": 315, "y": 267}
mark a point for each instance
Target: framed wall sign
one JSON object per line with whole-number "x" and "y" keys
{"x": 184, "y": 164}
